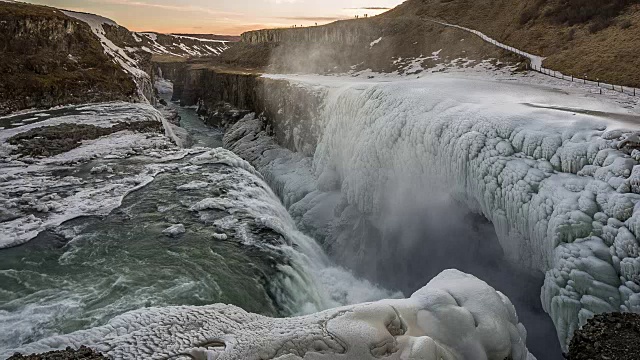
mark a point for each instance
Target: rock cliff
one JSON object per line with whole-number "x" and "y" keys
{"x": 50, "y": 59}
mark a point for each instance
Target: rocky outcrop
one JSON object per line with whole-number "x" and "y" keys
{"x": 49, "y": 59}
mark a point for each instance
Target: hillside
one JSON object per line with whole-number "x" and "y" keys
{"x": 403, "y": 45}
{"x": 48, "y": 59}
{"x": 52, "y": 57}
{"x": 597, "y": 38}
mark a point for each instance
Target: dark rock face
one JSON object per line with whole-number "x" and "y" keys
{"x": 49, "y": 59}
{"x": 83, "y": 353}
{"x": 607, "y": 336}
{"x": 286, "y": 108}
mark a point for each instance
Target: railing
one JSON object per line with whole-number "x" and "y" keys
{"x": 535, "y": 64}
{"x": 584, "y": 80}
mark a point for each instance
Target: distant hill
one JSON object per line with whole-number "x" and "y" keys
{"x": 230, "y": 38}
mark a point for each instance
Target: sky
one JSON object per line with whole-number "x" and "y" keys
{"x": 225, "y": 17}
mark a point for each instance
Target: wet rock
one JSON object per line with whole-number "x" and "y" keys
{"x": 83, "y": 353}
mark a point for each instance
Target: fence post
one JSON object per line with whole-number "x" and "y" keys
{"x": 571, "y": 78}
{"x": 634, "y": 91}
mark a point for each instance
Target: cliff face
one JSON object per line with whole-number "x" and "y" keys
{"x": 287, "y": 109}
{"x": 341, "y": 32}
{"x": 49, "y": 59}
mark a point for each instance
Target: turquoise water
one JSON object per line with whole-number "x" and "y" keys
{"x": 83, "y": 273}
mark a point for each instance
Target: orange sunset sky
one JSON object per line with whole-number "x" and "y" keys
{"x": 221, "y": 16}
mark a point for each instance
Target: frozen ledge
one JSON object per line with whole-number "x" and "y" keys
{"x": 560, "y": 181}
{"x": 455, "y": 316}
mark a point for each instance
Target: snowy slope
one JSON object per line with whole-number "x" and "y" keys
{"x": 152, "y": 43}
{"x": 536, "y": 61}
{"x": 556, "y": 172}
{"x": 179, "y": 45}
{"x": 455, "y": 316}
{"x": 128, "y": 63}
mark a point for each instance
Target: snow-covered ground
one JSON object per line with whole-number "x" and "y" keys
{"x": 455, "y": 316}
{"x": 536, "y": 62}
{"x": 119, "y": 55}
{"x": 555, "y": 168}
{"x": 179, "y": 48}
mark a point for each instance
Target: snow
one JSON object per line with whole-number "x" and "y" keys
{"x": 374, "y": 42}
{"x": 181, "y": 49}
{"x": 557, "y": 180}
{"x": 200, "y": 39}
{"x": 102, "y": 115}
{"x": 536, "y": 61}
{"x": 194, "y": 185}
{"x": 130, "y": 64}
{"x": 455, "y": 316}
{"x": 27, "y": 187}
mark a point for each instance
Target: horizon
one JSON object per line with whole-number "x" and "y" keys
{"x": 220, "y": 17}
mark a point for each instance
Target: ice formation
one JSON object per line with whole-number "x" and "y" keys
{"x": 37, "y": 199}
{"x": 455, "y": 316}
{"x": 557, "y": 173}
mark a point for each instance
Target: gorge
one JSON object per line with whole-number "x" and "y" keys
{"x": 313, "y": 179}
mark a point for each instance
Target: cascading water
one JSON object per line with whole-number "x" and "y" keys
{"x": 240, "y": 247}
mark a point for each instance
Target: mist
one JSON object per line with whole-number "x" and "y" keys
{"x": 422, "y": 230}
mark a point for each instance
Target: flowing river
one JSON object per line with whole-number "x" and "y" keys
{"x": 239, "y": 246}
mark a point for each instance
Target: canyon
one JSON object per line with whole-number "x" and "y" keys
{"x": 331, "y": 171}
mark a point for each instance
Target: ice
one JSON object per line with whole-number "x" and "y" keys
{"x": 455, "y": 316}
{"x": 175, "y": 230}
{"x": 31, "y": 187}
{"x": 558, "y": 180}
{"x": 194, "y": 185}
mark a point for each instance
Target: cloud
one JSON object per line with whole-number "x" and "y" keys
{"x": 182, "y": 8}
